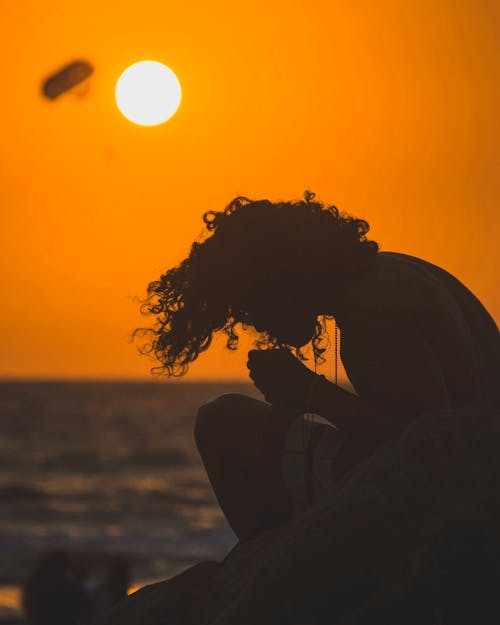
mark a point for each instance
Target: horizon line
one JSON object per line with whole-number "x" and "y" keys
{"x": 134, "y": 379}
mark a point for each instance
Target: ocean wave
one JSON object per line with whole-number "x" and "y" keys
{"x": 16, "y": 492}
{"x": 72, "y": 460}
{"x": 165, "y": 457}
{"x": 90, "y": 461}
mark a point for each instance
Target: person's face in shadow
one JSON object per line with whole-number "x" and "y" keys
{"x": 290, "y": 322}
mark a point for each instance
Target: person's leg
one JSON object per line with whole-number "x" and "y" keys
{"x": 310, "y": 450}
{"x": 241, "y": 446}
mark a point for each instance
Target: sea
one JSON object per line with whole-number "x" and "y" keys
{"x": 105, "y": 468}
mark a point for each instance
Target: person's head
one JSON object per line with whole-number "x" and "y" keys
{"x": 263, "y": 264}
{"x": 52, "y": 563}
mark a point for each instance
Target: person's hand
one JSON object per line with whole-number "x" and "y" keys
{"x": 282, "y": 379}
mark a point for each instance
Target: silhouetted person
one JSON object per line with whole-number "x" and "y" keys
{"x": 414, "y": 339}
{"x": 51, "y": 596}
{"x": 115, "y": 586}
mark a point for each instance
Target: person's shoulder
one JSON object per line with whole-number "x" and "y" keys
{"x": 395, "y": 269}
{"x": 390, "y": 285}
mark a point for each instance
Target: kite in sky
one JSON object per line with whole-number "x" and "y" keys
{"x": 66, "y": 78}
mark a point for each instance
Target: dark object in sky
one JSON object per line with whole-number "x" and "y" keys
{"x": 66, "y": 78}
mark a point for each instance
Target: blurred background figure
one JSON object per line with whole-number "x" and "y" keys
{"x": 52, "y": 595}
{"x": 114, "y": 586}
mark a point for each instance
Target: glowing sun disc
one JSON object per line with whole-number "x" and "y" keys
{"x": 148, "y": 93}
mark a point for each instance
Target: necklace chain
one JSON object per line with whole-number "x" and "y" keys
{"x": 336, "y": 355}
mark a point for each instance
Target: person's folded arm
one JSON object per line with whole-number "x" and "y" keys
{"x": 396, "y": 377}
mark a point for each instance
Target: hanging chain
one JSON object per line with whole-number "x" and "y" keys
{"x": 336, "y": 355}
{"x": 308, "y": 418}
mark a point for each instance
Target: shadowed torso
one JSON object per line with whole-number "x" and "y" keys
{"x": 408, "y": 324}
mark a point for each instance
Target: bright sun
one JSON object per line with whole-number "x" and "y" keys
{"x": 148, "y": 93}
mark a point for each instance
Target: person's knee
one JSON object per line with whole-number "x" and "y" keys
{"x": 216, "y": 419}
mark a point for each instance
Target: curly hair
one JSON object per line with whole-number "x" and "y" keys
{"x": 251, "y": 251}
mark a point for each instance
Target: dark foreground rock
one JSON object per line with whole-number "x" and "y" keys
{"x": 410, "y": 537}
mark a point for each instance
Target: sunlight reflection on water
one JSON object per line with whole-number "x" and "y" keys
{"x": 100, "y": 468}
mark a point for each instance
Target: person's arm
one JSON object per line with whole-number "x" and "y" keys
{"x": 343, "y": 409}
{"x": 396, "y": 374}
{"x": 392, "y": 367}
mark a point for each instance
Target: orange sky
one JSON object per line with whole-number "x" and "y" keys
{"x": 387, "y": 108}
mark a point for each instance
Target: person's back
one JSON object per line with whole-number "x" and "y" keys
{"x": 484, "y": 335}
{"x": 413, "y": 339}
{"x": 408, "y": 317}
